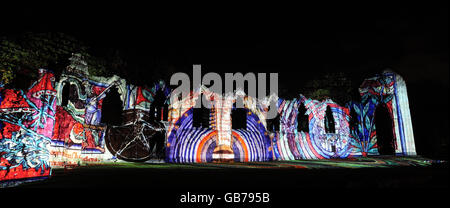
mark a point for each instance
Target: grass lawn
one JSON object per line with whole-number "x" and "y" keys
{"x": 378, "y": 172}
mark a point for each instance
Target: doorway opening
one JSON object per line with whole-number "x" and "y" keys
{"x": 384, "y": 130}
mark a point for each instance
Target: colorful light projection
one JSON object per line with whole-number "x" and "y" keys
{"x": 26, "y": 128}
{"x": 56, "y": 124}
{"x": 290, "y": 143}
{"x": 80, "y": 137}
{"x": 187, "y": 144}
{"x": 387, "y": 89}
{"x": 142, "y": 135}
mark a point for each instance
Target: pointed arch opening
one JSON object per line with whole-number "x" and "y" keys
{"x": 65, "y": 94}
{"x": 329, "y": 121}
{"x": 238, "y": 116}
{"x": 302, "y": 119}
{"x": 353, "y": 120}
{"x": 384, "y": 130}
{"x": 273, "y": 125}
{"x": 201, "y": 116}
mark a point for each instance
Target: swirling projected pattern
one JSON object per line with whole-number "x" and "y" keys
{"x": 255, "y": 138}
{"x": 289, "y": 144}
{"x": 183, "y": 140}
{"x": 187, "y": 144}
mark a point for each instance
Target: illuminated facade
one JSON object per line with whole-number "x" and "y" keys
{"x": 82, "y": 119}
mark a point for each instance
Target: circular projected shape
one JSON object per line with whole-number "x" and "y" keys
{"x": 137, "y": 142}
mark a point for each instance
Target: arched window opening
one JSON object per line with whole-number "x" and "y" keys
{"x": 166, "y": 112}
{"x": 201, "y": 115}
{"x": 74, "y": 97}
{"x": 329, "y": 121}
{"x": 158, "y": 108}
{"x": 353, "y": 119}
{"x": 238, "y": 117}
{"x": 384, "y": 130}
{"x": 112, "y": 108}
{"x": 302, "y": 119}
{"x": 274, "y": 124}
{"x": 65, "y": 94}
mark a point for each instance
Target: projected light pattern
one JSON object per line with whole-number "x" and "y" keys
{"x": 187, "y": 144}
{"x": 79, "y": 135}
{"x": 382, "y": 89}
{"x": 26, "y": 127}
{"x": 292, "y": 144}
{"x": 59, "y": 123}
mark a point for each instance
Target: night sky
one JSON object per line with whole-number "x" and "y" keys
{"x": 411, "y": 40}
{"x": 301, "y": 44}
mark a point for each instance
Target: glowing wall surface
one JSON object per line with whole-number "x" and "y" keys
{"x": 38, "y": 131}
{"x": 390, "y": 89}
{"x": 291, "y": 144}
{"x": 186, "y": 143}
{"x": 79, "y": 136}
{"x": 26, "y": 128}
{"x": 387, "y": 88}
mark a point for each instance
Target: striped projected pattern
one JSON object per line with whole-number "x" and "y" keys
{"x": 290, "y": 144}
{"x": 187, "y": 144}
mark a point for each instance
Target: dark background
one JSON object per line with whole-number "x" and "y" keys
{"x": 301, "y": 43}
